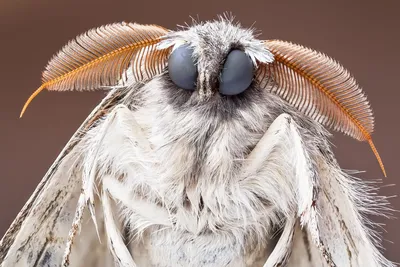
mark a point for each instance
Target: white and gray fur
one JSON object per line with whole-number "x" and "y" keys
{"x": 198, "y": 179}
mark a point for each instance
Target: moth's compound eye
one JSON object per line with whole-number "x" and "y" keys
{"x": 182, "y": 69}
{"x": 237, "y": 73}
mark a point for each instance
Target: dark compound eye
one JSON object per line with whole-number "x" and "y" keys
{"x": 182, "y": 69}
{"x": 237, "y": 73}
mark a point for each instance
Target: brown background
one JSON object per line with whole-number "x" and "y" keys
{"x": 362, "y": 35}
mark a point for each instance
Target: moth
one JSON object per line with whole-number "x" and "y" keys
{"x": 210, "y": 149}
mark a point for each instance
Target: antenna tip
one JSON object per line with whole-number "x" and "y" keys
{"x": 30, "y": 99}
{"x": 378, "y": 157}
{"x": 22, "y": 113}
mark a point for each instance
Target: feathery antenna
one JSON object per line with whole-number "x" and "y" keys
{"x": 101, "y": 56}
{"x": 321, "y": 88}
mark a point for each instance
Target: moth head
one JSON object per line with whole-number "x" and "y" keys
{"x": 216, "y": 57}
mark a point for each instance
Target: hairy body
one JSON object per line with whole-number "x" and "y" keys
{"x": 174, "y": 177}
{"x": 199, "y": 205}
{"x": 183, "y": 191}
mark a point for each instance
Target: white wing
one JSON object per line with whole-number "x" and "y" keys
{"x": 39, "y": 234}
{"x": 338, "y": 230}
{"x": 321, "y": 206}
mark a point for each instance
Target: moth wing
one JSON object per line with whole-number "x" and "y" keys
{"x": 332, "y": 205}
{"x": 324, "y": 209}
{"x": 39, "y": 234}
{"x": 304, "y": 253}
{"x": 106, "y": 56}
{"x": 335, "y": 232}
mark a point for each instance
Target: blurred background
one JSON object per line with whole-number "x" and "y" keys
{"x": 362, "y": 35}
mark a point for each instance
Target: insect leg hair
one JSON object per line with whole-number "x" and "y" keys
{"x": 281, "y": 153}
{"x": 117, "y": 246}
{"x": 86, "y": 198}
{"x": 283, "y": 248}
{"x": 114, "y": 150}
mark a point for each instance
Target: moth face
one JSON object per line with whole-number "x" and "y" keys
{"x": 215, "y": 58}
{"x": 215, "y": 61}
{"x": 233, "y": 75}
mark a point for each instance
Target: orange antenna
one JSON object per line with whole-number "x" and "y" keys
{"x": 321, "y": 88}
{"x": 114, "y": 48}
{"x": 377, "y": 155}
{"x": 31, "y": 98}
